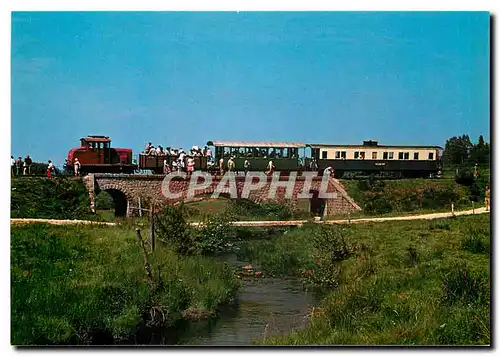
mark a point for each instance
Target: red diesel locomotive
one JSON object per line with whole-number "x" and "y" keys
{"x": 96, "y": 155}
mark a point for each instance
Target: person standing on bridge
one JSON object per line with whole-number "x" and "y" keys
{"x": 50, "y": 169}
{"x": 230, "y": 165}
{"x": 270, "y": 167}
{"x": 190, "y": 165}
{"x": 246, "y": 166}
{"x": 77, "y": 165}
{"x": 221, "y": 166}
{"x": 12, "y": 165}
{"x": 27, "y": 163}
{"x": 19, "y": 164}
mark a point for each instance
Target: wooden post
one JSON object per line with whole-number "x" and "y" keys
{"x": 144, "y": 255}
{"x": 152, "y": 227}
{"x": 140, "y": 207}
{"x": 452, "y": 210}
{"x": 473, "y": 211}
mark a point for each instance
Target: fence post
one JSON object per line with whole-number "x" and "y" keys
{"x": 140, "y": 207}
{"x": 473, "y": 211}
{"x": 144, "y": 254}
{"x": 152, "y": 227}
{"x": 452, "y": 209}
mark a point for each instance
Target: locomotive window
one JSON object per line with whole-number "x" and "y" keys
{"x": 431, "y": 155}
{"x": 391, "y": 155}
{"x": 324, "y": 154}
{"x": 343, "y": 154}
{"x": 337, "y": 154}
{"x": 356, "y": 155}
{"x": 374, "y": 155}
{"x": 407, "y": 155}
{"x": 401, "y": 155}
{"x": 415, "y": 155}
{"x": 385, "y": 155}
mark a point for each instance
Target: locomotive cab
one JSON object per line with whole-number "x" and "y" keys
{"x": 97, "y": 147}
{"x": 97, "y": 156}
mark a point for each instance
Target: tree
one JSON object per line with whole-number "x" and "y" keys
{"x": 457, "y": 150}
{"x": 480, "y": 153}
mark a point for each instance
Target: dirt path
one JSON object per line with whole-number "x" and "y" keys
{"x": 59, "y": 222}
{"x": 272, "y": 223}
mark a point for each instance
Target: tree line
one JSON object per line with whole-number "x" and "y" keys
{"x": 461, "y": 151}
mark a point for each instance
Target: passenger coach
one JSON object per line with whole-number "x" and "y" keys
{"x": 372, "y": 158}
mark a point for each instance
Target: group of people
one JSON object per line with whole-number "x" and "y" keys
{"x": 183, "y": 162}
{"x": 195, "y": 151}
{"x": 18, "y": 166}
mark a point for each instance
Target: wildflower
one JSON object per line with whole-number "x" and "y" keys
{"x": 247, "y": 268}
{"x": 26, "y": 273}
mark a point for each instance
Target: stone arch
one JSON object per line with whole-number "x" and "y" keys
{"x": 121, "y": 198}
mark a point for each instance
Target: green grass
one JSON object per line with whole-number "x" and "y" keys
{"x": 88, "y": 285}
{"x": 401, "y": 283}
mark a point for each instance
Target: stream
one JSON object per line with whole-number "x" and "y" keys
{"x": 263, "y": 308}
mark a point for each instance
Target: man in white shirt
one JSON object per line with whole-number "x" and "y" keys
{"x": 246, "y": 166}
{"x": 270, "y": 167}
{"x": 12, "y": 165}
{"x": 221, "y": 166}
{"x": 76, "y": 167}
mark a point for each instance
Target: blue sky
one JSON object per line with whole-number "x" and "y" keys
{"x": 185, "y": 78}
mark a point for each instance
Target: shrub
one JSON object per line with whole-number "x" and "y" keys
{"x": 330, "y": 247}
{"x": 377, "y": 204}
{"x": 60, "y": 198}
{"x": 215, "y": 234}
{"x": 171, "y": 227}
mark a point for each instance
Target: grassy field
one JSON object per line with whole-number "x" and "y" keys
{"x": 407, "y": 283}
{"x": 88, "y": 285}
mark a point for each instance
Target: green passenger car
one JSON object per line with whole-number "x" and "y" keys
{"x": 285, "y": 155}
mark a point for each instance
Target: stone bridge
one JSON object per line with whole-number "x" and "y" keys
{"x": 126, "y": 191}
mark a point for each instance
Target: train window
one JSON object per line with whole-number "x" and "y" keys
{"x": 362, "y": 155}
{"x": 337, "y": 154}
{"x": 391, "y": 155}
{"x": 407, "y": 155}
{"x": 374, "y": 155}
{"x": 324, "y": 154}
{"x": 385, "y": 155}
{"x": 431, "y": 155}
{"x": 415, "y": 155}
{"x": 356, "y": 155}
{"x": 343, "y": 154}
{"x": 401, "y": 155}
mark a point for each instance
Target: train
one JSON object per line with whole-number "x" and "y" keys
{"x": 96, "y": 155}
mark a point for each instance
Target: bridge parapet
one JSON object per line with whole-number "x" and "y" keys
{"x": 127, "y": 189}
